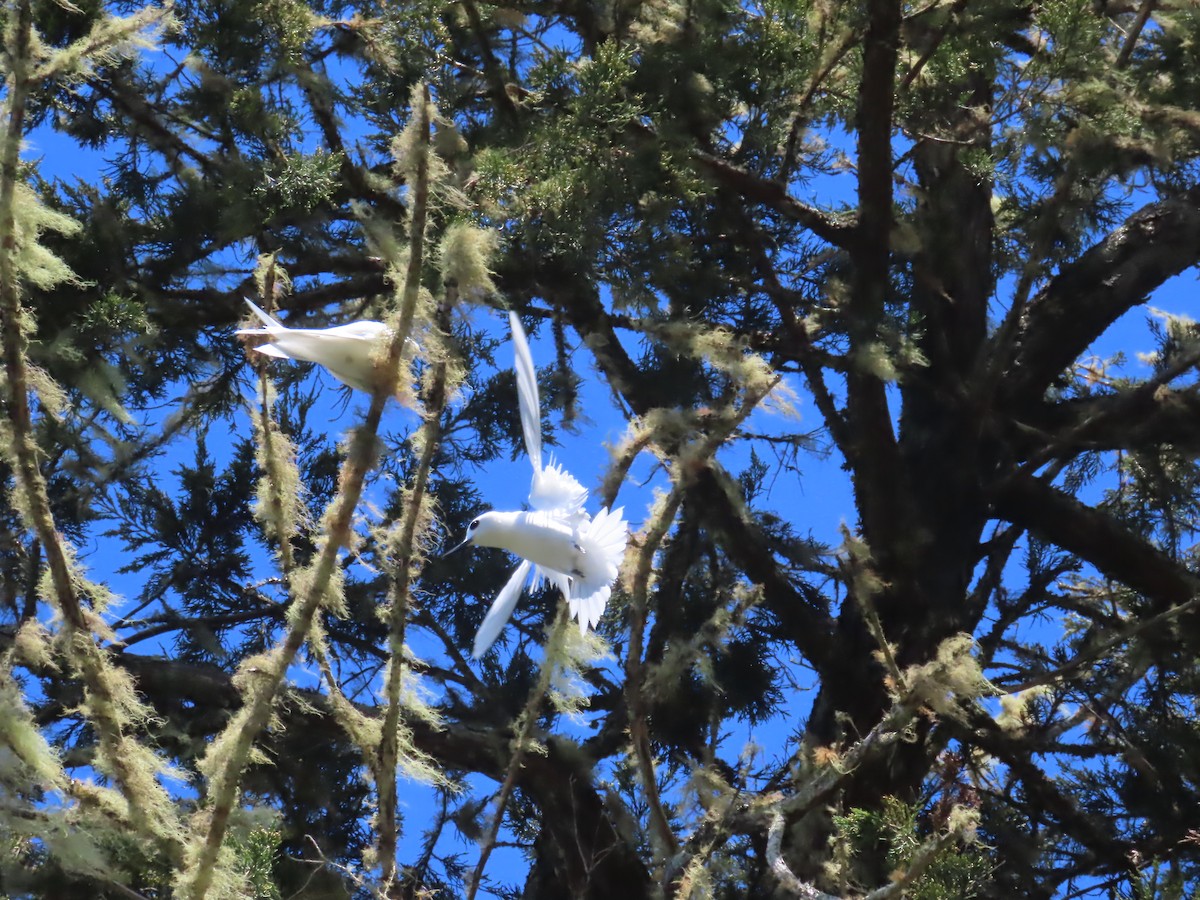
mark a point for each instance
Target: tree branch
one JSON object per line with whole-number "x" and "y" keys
{"x": 872, "y": 450}
{"x": 417, "y": 521}
{"x": 803, "y": 611}
{"x": 1095, "y": 537}
{"x": 775, "y": 197}
{"x": 1135, "y": 31}
{"x": 1087, "y": 296}
{"x": 232, "y": 750}
{"x": 595, "y": 860}
{"x": 1044, "y": 794}
{"x": 107, "y": 706}
{"x": 1121, "y": 421}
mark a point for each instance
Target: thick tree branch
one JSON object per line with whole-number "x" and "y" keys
{"x": 802, "y": 611}
{"x": 109, "y": 711}
{"x": 1096, "y": 538}
{"x": 1087, "y": 296}
{"x": 831, "y": 59}
{"x": 318, "y": 92}
{"x": 872, "y": 450}
{"x": 794, "y": 335}
{"x": 496, "y": 79}
{"x": 152, "y": 128}
{"x": 1046, "y": 795}
{"x": 1135, "y": 31}
{"x": 1120, "y": 422}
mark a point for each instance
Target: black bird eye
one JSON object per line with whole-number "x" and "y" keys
{"x": 473, "y": 525}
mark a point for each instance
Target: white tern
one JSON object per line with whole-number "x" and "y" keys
{"x": 556, "y": 539}
{"x": 344, "y": 350}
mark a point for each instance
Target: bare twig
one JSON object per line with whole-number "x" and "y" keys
{"x": 406, "y": 569}
{"x": 525, "y": 725}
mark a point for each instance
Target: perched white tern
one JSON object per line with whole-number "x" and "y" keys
{"x": 556, "y": 539}
{"x": 344, "y": 350}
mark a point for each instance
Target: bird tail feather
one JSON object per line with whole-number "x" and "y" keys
{"x": 268, "y": 320}
{"x": 603, "y": 541}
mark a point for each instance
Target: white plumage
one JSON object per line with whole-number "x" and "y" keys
{"x": 345, "y": 351}
{"x": 556, "y": 539}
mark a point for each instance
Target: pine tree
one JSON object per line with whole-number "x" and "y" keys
{"x": 917, "y": 249}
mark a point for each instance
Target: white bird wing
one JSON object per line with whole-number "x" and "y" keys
{"x": 363, "y": 330}
{"x": 268, "y": 349}
{"x": 527, "y": 393}
{"x": 556, "y": 490}
{"x": 502, "y": 609}
{"x": 553, "y": 488}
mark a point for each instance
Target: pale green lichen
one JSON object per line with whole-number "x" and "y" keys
{"x": 331, "y": 589}
{"x": 464, "y": 257}
{"x": 111, "y": 40}
{"x": 19, "y": 733}
{"x": 33, "y": 262}
{"x": 568, "y": 690}
{"x": 32, "y": 646}
{"x": 412, "y": 149}
{"x": 950, "y": 679}
{"x": 278, "y": 497}
{"x": 1016, "y": 709}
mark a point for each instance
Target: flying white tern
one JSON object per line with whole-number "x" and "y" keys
{"x": 556, "y": 539}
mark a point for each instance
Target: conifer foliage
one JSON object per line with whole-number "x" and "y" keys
{"x": 921, "y": 258}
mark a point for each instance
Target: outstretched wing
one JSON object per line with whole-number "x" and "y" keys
{"x": 556, "y": 490}
{"x": 267, "y": 349}
{"x": 553, "y": 488}
{"x": 502, "y": 609}
{"x": 527, "y": 394}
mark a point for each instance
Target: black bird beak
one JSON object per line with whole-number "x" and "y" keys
{"x": 456, "y": 548}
